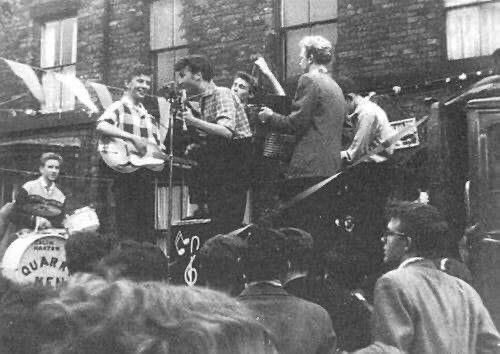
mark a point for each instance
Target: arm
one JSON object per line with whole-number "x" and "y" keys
{"x": 361, "y": 139}
{"x": 262, "y": 65}
{"x": 210, "y": 128}
{"x": 302, "y": 116}
{"x": 488, "y": 338}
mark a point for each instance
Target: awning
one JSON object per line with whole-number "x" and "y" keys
{"x": 51, "y": 141}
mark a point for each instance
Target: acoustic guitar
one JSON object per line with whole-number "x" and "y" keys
{"x": 122, "y": 156}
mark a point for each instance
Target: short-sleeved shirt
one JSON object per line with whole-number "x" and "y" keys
{"x": 132, "y": 118}
{"x": 219, "y": 105}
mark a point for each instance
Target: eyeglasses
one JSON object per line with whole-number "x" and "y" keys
{"x": 388, "y": 233}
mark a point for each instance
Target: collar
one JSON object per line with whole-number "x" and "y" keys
{"x": 45, "y": 185}
{"x": 273, "y": 282}
{"x": 139, "y": 107}
{"x": 409, "y": 261}
{"x": 362, "y": 102}
{"x": 209, "y": 90}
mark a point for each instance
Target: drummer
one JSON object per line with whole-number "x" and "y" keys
{"x": 39, "y": 203}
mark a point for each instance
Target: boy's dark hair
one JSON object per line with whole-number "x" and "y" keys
{"x": 86, "y": 250}
{"x": 424, "y": 224}
{"x": 50, "y": 156}
{"x": 220, "y": 262}
{"x": 196, "y": 64}
{"x": 138, "y": 70}
{"x": 251, "y": 80}
{"x": 135, "y": 261}
{"x": 265, "y": 258}
{"x": 298, "y": 247}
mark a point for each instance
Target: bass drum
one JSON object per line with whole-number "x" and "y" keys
{"x": 37, "y": 258}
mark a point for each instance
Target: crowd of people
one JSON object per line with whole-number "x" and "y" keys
{"x": 269, "y": 287}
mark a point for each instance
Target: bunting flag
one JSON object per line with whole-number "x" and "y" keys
{"x": 103, "y": 94}
{"x": 27, "y": 74}
{"x": 164, "y": 108}
{"x": 74, "y": 84}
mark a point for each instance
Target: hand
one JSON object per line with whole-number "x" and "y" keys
{"x": 43, "y": 223}
{"x": 190, "y": 148}
{"x": 262, "y": 65}
{"x": 187, "y": 116}
{"x": 265, "y": 113}
{"x": 140, "y": 145}
{"x": 344, "y": 155}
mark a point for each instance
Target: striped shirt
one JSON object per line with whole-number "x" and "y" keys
{"x": 219, "y": 105}
{"x": 132, "y": 118}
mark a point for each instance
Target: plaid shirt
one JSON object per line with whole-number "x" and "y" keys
{"x": 132, "y": 118}
{"x": 219, "y": 105}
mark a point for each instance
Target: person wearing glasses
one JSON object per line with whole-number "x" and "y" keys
{"x": 418, "y": 308}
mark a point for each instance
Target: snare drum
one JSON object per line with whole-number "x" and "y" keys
{"x": 82, "y": 220}
{"x": 37, "y": 258}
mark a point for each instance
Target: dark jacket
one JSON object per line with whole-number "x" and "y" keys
{"x": 318, "y": 113}
{"x": 298, "y": 326}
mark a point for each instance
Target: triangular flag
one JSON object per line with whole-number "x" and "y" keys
{"x": 74, "y": 84}
{"x": 164, "y": 108}
{"x": 103, "y": 94}
{"x": 26, "y": 73}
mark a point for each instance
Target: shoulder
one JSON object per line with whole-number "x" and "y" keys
{"x": 30, "y": 185}
{"x": 308, "y": 79}
{"x": 223, "y": 92}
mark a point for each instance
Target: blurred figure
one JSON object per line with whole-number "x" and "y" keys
{"x": 134, "y": 261}
{"x": 85, "y": 251}
{"x": 19, "y": 323}
{"x": 220, "y": 263}
{"x": 299, "y": 326}
{"x": 418, "y": 308}
{"x": 93, "y": 316}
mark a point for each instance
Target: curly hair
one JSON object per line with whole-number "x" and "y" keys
{"x": 318, "y": 48}
{"x": 138, "y": 70}
{"x": 424, "y": 224}
{"x": 93, "y": 316}
{"x": 196, "y": 64}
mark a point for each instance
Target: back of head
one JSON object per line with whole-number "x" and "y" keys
{"x": 135, "y": 261}
{"x": 298, "y": 247}
{"x": 196, "y": 64}
{"x": 318, "y": 48}
{"x": 265, "y": 259}
{"x": 85, "y": 250}
{"x": 220, "y": 262}
{"x": 425, "y": 226}
{"x": 95, "y": 316}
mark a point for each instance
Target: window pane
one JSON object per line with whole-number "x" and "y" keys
{"x": 161, "y": 24}
{"x": 328, "y": 30}
{"x": 52, "y": 92}
{"x": 494, "y": 174}
{"x": 323, "y": 10}
{"x": 295, "y": 12}
{"x": 50, "y": 51}
{"x": 165, "y": 66}
{"x": 293, "y": 38}
{"x": 68, "y": 38}
{"x": 462, "y": 33}
{"x": 67, "y": 96}
{"x": 490, "y": 28}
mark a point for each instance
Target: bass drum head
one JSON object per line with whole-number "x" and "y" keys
{"x": 37, "y": 258}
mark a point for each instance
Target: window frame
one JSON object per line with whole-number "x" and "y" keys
{"x": 283, "y": 34}
{"x": 59, "y": 106}
{"x": 447, "y": 9}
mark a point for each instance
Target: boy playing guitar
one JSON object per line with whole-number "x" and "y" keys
{"x": 126, "y": 121}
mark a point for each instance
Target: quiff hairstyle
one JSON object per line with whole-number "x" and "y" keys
{"x": 50, "y": 156}
{"x": 318, "y": 48}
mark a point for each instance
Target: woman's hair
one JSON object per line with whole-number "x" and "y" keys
{"x": 318, "y": 48}
{"x": 94, "y": 316}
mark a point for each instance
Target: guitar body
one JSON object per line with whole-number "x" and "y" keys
{"x": 122, "y": 156}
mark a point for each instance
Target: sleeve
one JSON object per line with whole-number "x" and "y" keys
{"x": 392, "y": 316}
{"x": 329, "y": 345}
{"x": 361, "y": 139}
{"x": 18, "y": 217}
{"x": 488, "y": 338}
{"x": 226, "y": 110}
{"x": 303, "y": 105}
{"x": 110, "y": 115}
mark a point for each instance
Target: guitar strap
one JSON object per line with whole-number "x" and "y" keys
{"x": 384, "y": 145}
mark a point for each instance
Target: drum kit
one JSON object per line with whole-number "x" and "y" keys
{"x": 38, "y": 256}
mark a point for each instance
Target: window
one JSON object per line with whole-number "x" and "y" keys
{"x": 472, "y": 27}
{"x": 166, "y": 38}
{"x": 58, "y": 54}
{"x": 301, "y": 18}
